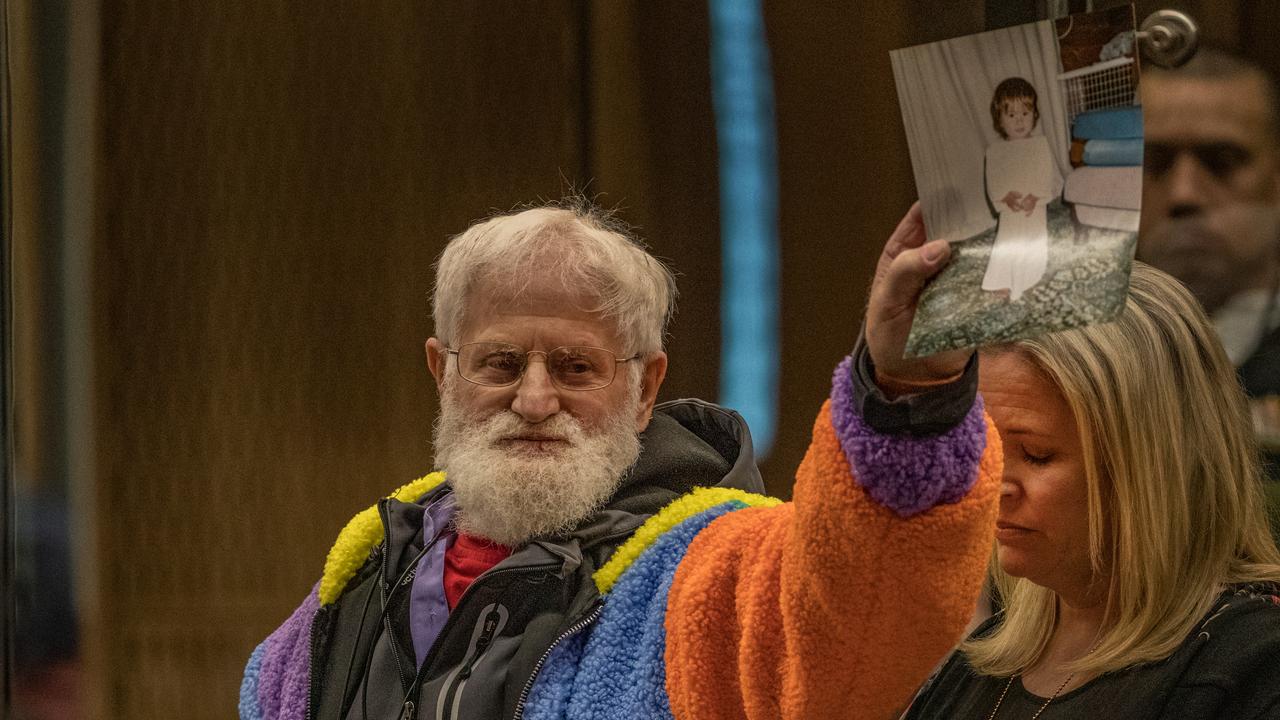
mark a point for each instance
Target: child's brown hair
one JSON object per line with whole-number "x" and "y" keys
{"x": 1009, "y": 90}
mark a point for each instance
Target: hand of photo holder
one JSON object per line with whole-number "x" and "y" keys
{"x": 906, "y": 264}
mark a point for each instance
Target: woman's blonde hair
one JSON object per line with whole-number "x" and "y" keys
{"x": 1176, "y": 508}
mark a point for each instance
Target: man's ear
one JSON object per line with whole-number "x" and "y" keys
{"x": 655, "y": 371}
{"x": 437, "y": 360}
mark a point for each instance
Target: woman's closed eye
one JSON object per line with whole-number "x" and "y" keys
{"x": 1036, "y": 456}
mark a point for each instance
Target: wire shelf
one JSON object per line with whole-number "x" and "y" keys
{"x": 1101, "y": 85}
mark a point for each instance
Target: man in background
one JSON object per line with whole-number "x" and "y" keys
{"x": 1211, "y": 210}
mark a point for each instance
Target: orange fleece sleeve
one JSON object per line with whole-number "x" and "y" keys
{"x": 830, "y": 606}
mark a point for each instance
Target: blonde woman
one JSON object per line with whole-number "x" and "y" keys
{"x": 1138, "y": 573}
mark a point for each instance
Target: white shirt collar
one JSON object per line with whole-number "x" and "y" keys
{"x": 1238, "y": 323}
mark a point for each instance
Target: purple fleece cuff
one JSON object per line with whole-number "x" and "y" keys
{"x": 284, "y": 678}
{"x": 907, "y": 474}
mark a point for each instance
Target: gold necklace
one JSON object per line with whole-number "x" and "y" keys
{"x": 1007, "y": 685}
{"x": 1055, "y": 694}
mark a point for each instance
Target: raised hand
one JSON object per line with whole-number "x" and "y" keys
{"x": 905, "y": 265}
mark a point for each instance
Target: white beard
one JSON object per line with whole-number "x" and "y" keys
{"x": 509, "y": 495}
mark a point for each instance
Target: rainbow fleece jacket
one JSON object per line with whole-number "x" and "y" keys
{"x": 717, "y": 602}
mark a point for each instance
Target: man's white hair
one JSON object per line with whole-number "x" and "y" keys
{"x": 592, "y": 255}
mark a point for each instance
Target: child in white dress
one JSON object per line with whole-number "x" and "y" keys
{"x": 1021, "y": 179}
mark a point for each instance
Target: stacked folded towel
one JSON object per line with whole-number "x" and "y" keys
{"x": 1107, "y": 190}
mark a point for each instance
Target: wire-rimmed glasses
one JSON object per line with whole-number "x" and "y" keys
{"x": 570, "y": 367}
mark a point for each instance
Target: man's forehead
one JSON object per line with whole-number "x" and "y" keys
{"x": 1201, "y": 110}
{"x": 535, "y": 289}
{"x": 543, "y": 302}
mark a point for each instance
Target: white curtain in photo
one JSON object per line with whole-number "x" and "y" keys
{"x": 945, "y": 92}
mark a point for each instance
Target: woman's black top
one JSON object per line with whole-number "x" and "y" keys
{"x": 1228, "y": 667}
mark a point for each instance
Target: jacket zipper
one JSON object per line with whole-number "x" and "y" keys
{"x": 386, "y": 597}
{"x": 572, "y": 630}
{"x": 409, "y": 710}
{"x": 450, "y": 692}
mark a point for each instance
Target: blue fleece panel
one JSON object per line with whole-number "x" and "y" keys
{"x": 249, "y": 708}
{"x": 1123, "y": 152}
{"x": 1109, "y": 124}
{"x": 549, "y": 696}
{"x": 619, "y": 670}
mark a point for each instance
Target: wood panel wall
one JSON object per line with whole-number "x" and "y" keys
{"x": 276, "y": 181}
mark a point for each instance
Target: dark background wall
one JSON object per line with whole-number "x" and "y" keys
{"x": 272, "y": 182}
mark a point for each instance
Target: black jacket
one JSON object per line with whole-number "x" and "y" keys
{"x": 1228, "y": 667}
{"x": 494, "y": 640}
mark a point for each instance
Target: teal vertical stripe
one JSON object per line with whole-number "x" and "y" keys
{"x": 742, "y": 94}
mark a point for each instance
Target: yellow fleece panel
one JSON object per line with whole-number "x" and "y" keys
{"x": 673, "y": 514}
{"x": 360, "y": 535}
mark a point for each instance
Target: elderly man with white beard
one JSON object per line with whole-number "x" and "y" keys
{"x": 582, "y": 551}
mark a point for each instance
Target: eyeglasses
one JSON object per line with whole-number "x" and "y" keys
{"x": 575, "y": 367}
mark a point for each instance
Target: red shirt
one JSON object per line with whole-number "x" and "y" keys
{"x": 465, "y": 560}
